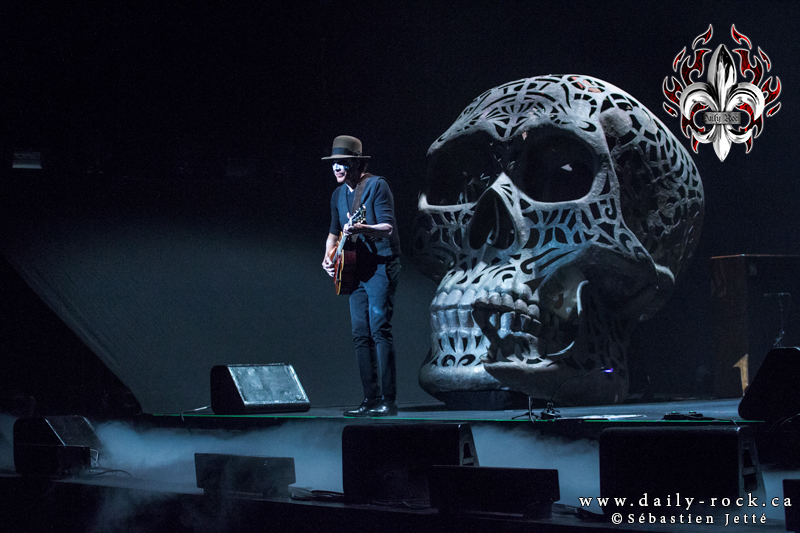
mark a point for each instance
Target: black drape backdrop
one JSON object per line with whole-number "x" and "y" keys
{"x": 180, "y": 219}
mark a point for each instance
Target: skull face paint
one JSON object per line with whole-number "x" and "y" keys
{"x": 558, "y": 213}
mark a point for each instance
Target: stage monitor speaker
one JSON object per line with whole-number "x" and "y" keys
{"x": 773, "y": 394}
{"x": 791, "y": 492}
{"x": 390, "y": 462}
{"x": 526, "y": 491}
{"x": 55, "y": 445}
{"x": 653, "y": 466}
{"x": 253, "y": 389}
{"x": 270, "y": 476}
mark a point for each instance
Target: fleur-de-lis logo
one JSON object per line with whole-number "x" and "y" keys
{"x": 722, "y": 100}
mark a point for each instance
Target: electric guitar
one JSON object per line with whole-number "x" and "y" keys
{"x": 344, "y": 258}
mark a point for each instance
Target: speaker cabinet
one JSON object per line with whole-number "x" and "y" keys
{"x": 773, "y": 394}
{"x": 752, "y": 308}
{"x": 253, "y": 389}
{"x": 270, "y": 476}
{"x": 671, "y": 464}
{"x": 526, "y": 491}
{"x": 54, "y": 446}
{"x": 791, "y": 491}
{"x": 391, "y": 462}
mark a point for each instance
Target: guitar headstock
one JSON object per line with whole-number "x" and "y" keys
{"x": 359, "y": 216}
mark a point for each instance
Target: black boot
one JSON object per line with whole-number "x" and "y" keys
{"x": 364, "y": 408}
{"x": 385, "y": 406}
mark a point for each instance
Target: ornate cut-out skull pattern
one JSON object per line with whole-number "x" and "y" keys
{"x": 558, "y": 213}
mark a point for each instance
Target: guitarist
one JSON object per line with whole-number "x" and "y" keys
{"x": 377, "y": 251}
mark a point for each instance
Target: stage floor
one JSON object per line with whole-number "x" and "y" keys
{"x": 720, "y": 409}
{"x": 570, "y": 422}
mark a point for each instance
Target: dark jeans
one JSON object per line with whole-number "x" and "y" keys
{"x": 371, "y": 307}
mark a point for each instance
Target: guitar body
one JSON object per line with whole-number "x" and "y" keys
{"x": 345, "y": 280}
{"x": 344, "y": 259}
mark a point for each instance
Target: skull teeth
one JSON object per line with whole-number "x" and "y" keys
{"x": 521, "y": 329}
{"x": 465, "y": 318}
{"x": 453, "y": 320}
{"x": 460, "y": 342}
{"x": 506, "y": 321}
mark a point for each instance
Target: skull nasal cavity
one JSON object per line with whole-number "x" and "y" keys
{"x": 491, "y": 223}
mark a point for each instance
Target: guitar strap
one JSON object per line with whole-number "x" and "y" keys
{"x": 358, "y": 191}
{"x": 357, "y": 194}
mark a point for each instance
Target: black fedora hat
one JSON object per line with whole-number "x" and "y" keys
{"x": 346, "y": 147}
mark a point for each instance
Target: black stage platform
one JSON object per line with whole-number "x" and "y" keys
{"x": 152, "y": 487}
{"x": 714, "y": 412}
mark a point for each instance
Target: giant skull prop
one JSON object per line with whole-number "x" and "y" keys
{"x": 557, "y": 214}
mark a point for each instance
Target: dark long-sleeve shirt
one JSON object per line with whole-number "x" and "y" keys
{"x": 379, "y": 205}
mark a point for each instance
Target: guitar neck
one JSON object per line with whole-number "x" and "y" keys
{"x": 339, "y": 248}
{"x": 357, "y": 217}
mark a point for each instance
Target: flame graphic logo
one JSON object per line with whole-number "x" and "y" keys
{"x": 721, "y": 101}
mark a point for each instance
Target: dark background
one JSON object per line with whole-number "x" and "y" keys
{"x": 205, "y": 121}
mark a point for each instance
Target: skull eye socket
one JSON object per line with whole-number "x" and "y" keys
{"x": 461, "y": 170}
{"x": 558, "y": 169}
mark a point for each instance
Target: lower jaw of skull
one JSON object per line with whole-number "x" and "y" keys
{"x": 563, "y": 385}
{"x": 446, "y": 373}
{"x": 454, "y": 374}
{"x": 462, "y": 346}
{"x": 503, "y": 354}
{"x": 461, "y": 350}
{"x": 556, "y": 365}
